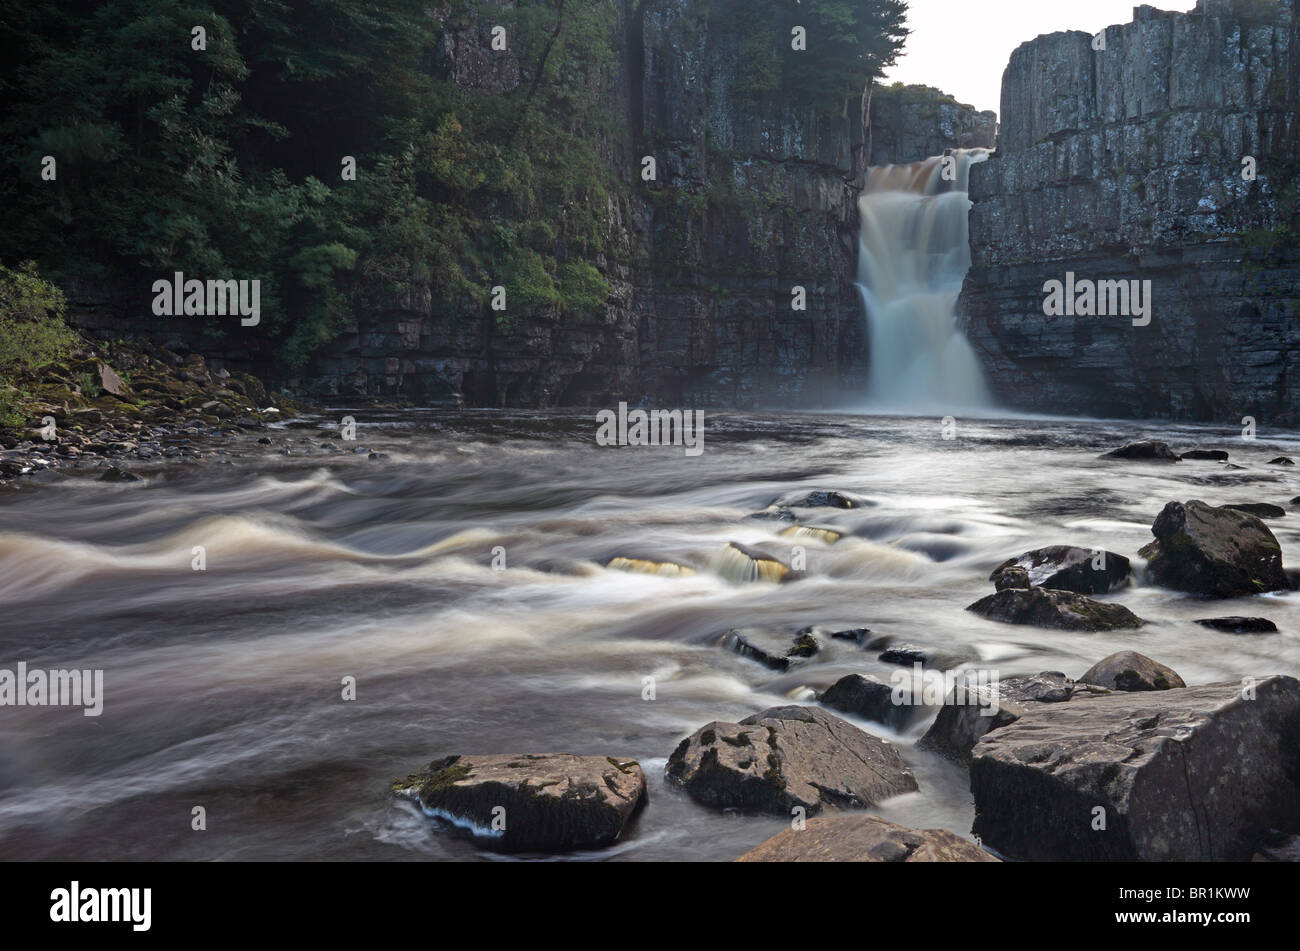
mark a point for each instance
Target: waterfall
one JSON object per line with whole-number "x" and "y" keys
{"x": 913, "y": 253}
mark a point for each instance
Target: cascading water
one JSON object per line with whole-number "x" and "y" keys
{"x": 913, "y": 253}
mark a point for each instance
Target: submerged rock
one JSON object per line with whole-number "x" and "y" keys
{"x": 114, "y": 474}
{"x": 1218, "y": 552}
{"x": 552, "y": 802}
{"x": 1048, "y": 607}
{"x": 740, "y": 563}
{"x": 1066, "y": 568}
{"x": 1152, "y": 449}
{"x": 786, "y": 757}
{"x": 1183, "y": 775}
{"x": 1259, "y": 509}
{"x": 775, "y": 650}
{"x": 864, "y": 839}
{"x": 644, "y": 566}
{"x": 827, "y": 535}
{"x": 1282, "y": 461}
{"x": 1217, "y": 455}
{"x": 1240, "y": 625}
{"x": 908, "y": 654}
{"x": 821, "y": 498}
{"x": 1130, "y": 671}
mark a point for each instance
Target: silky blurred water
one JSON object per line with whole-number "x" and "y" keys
{"x": 223, "y": 687}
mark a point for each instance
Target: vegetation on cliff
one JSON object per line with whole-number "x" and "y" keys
{"x": 136, "y": 146}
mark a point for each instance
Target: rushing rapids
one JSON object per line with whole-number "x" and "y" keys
{"x": 620, "y": 568}
{"x": 913, "y": 253}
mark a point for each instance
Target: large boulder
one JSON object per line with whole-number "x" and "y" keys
{"x": 1048, "y": 607}
{"x": 1217, "y": 552}
{"x": 864, "y": 839}
{"x": 786, "y": 757}
{"x": 1067, "y": 568}
{"x": 1130, "y": 671}
{"x": 551, "y": 802}
{"x": 1195, "y": 774}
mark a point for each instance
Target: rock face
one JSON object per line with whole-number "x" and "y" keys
{"x": 1127, "y": 164}
{"x": 864, "y": 839}
{"x": 1067, "y": 568}
{"x": 910, "y": 123}
{"x": 1185, "y": 775}
{"x": 786, "y": 757}
{"x": 751, "y": 199}
{"x": 1130, "y": 671}
{"x": 553, "y": 802}
{"x": 1064, "y": 610}
{"x": 1216, "y": 552}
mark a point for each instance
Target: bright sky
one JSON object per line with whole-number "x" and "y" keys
{"x": 962, "y": 46}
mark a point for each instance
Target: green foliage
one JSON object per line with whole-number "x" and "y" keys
{"x": 32, "y": 331}
{"x": 32, "y": 335}
{"x": 849, "y": 43}
{"x": 225, "y": 162}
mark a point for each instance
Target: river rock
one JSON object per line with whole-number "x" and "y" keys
{"x": 1240, "y": 625}
{"x": 1129, "y": 670}
{"x": 1216, "y": 455}
{"x": 906, "y": 655}
{"x": 1152, "y": 449}
{"x": 1067, "y": 568}
{"x": 971, "y": 711}
{"x": 821, "y": 498}
{"x": 1217, "y": 552}
{"x": 1048, "y": 607}
{"x": 771, "y": 649}
{"x": 864, "y": 839}
{"x": 553, "y": 802}
{"x": 786, "y": 757}
{"x": 1282, "y": 461}
{"x": 1259, "y": 509}
{"x": 872, "y": 699}
{"x": 1182, "y": 775}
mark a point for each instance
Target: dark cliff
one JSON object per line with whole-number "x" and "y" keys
{"x": 1126, "y": 163}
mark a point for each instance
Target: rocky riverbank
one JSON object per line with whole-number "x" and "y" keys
{"x": 115, "y": 409}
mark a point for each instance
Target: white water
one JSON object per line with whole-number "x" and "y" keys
{"x": 913, "y": 254}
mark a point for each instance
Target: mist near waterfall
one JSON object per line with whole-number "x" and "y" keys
{"x": 913, "y": 254}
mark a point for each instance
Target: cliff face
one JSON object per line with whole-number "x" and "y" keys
{"x": 746, "y": 204}
{"x": 1126, "y": 163}
{"x": 750, "y": 200}
{"x": 910, "y": 123}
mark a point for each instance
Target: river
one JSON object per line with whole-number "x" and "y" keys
{"x": 223, "y": 688}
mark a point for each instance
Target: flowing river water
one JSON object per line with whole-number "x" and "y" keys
{"x": 222, "y": 688}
